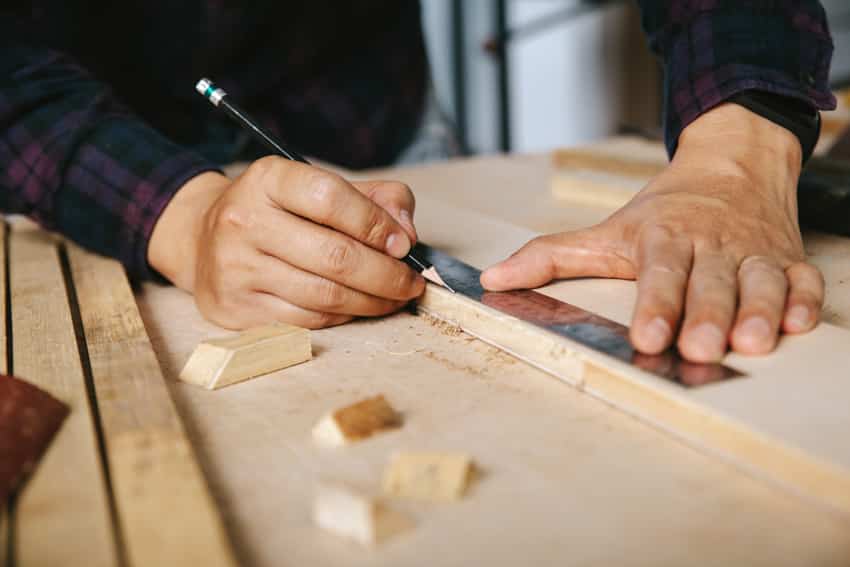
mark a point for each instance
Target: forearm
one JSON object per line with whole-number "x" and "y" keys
{"x": 77, "y": 161}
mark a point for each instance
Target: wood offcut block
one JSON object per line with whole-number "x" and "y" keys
{"x": 431, "y": 477}
{"x": 356, "y": 422}
{"x": 346, "y": 512}
{"x": 221, "y": 362}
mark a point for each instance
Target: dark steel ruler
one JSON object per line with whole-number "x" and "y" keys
{"x": 598, "y": 333}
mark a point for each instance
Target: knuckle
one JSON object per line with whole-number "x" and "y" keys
{"x": 331, "y": 296}
{"x": 317, "y": 320}
{"x": 759, "y": 264}
{"x": 325, "y": 196}
{"x": 677, "y": 272}
{"x": 339, "y": 257}
{"x": 375, "y": 229}
{"x": 262, "y": 167}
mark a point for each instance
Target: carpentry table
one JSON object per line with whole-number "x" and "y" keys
{"x": 565, "y": 479}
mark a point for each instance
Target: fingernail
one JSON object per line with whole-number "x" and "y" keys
{"x": 404, "y": 215}
{"x": 799, "y": 317}
{"x": 709, "y": 340}
{"x": 656, "y": 334}
{"x": 755, "y": 328}
{"x": 398, "y": 245}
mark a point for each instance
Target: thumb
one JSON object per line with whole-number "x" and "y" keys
{"x": 581, "y": 253}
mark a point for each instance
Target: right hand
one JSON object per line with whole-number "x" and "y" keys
{"x": 288, "y": 242}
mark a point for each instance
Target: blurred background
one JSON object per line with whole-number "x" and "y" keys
{"x": 532, "y": 75}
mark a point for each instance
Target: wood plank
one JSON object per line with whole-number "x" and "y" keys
{"x": 564, "y": 477}
{"x": 783, "y": 422}
{"x": 167, "y": 514}
{"x": 220, "y": 362}
{"x": 62, "y": 515}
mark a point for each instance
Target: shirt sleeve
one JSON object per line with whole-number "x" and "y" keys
{"x": 77, "y": 161}
{"x": 714, "y": 49}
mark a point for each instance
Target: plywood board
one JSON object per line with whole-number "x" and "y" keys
{"x": 784, "y": 419}
{"x": 62, "y": 514}
{"x": 564, "y": 478}
{"x": 167, "y": 514}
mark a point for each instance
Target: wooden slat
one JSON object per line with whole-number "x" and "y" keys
{"x": 62, "y": 514}
{"x": 4, "y": 340}
{"x": 166, "y": 512}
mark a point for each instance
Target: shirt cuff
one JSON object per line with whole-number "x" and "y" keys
{"x": 169, "y": 177}
{"x": 717, "y": 55}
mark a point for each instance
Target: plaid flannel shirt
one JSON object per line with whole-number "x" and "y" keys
{"x": 99, "y": 124}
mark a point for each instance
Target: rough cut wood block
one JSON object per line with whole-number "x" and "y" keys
{"x": 356, "y": 422}
{"x": 221, "y": 362}
{"x": 428, "y": 476}
{"x": 346, "y": 512}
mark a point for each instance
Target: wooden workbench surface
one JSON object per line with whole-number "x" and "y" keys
{"x": 566, "y": 479}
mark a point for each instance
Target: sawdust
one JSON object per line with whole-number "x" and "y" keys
{"x": 453, "y": 365}
{"x": 446, "y": 328}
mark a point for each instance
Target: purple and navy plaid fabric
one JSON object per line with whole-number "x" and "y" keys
{"x": 100, "y": 124}
{"x": 713, "y": 49}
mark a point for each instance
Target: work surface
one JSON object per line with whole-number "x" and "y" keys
{"x": 565, "y": 479}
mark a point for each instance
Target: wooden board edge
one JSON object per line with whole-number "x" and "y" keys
{"x": 74, "y": 517}
{"x": 647, "y": 398}
{"x": 166, "y": 510}
{"x": 596, "y": 160}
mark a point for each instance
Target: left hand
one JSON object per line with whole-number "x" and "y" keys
{"x": 713, "y": 242}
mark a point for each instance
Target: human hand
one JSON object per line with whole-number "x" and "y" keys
{"x": 713, "y": 242}
{"x": 288, "y": 242}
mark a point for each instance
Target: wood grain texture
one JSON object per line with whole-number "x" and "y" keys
{"x": 429, "y": 476}
{"x": 166, "y": 512}
{"x": 227, "y": 360}
{"x": 4, "y": 266}
{"x": 565, "y": 479}
{"x": 356, "y": 422}
{"x": 62, "y": 514}
{"x": 781, "y": 422}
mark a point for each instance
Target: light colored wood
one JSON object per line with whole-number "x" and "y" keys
{"x": 616, "y": 164}
{"x": 4, "y": 534}
{"x": 62, "y": 513}
{"x": 432, "y": 477}
{"x": 356, "y": 422}
{"x": 167, "y": 514}
{"x": 220, "y": 362}
{"x": 4, "y": 266}
{"x": 566, "y": 479}
{"x": 604, "y": 178}
{"x": 349, "y": 513}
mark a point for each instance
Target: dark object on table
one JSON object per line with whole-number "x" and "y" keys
{"x": 823, "y": 196}
{"x": 29, "y": 418}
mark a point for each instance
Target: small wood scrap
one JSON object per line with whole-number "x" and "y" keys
{"x": 356, "y": 422}
{"x": 29, "y": 418}
{"x": 346, "y": 512}
{"x": 432, "y": 477}
{"x": 220, "y": 362}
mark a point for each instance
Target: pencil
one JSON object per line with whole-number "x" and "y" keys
{"x": 220, "y": 99}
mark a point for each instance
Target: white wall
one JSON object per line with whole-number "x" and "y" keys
{"x": 564, "y": 81}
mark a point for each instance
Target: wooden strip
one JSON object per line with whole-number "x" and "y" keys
{"x": 167, "y": 514}
{"x": 654, "y": 400}
{"x": 227, "y": 360}
{"x": 4, "y": 534}
{"x": 62, "y": 514}
{"x": 4, "y": 340}
{"x": 594, "y": 160}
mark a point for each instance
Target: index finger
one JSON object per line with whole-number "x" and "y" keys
{"x": 328, "y": 199}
